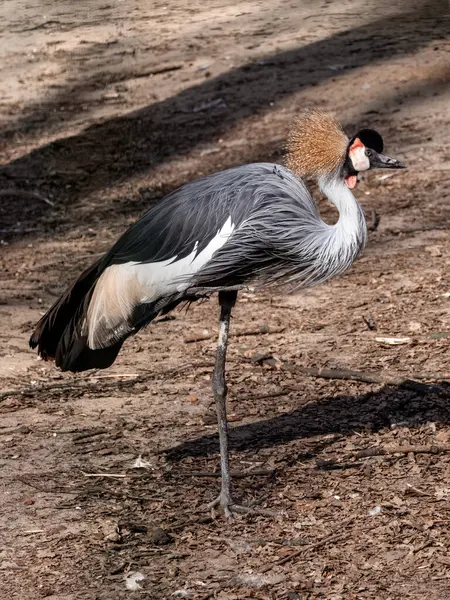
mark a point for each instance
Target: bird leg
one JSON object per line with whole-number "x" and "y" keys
{"x": 227, "y": 300}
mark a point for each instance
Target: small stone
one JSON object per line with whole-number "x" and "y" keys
{"x": 373, "y": 512}
{"x": 433, "y": 250}
{"x": 105, "y": 451}
{"x": 443, "y": 436}
{"x": 111, "y": 96}
{"x": 159, "y": 537}
{"x": 111, "y": 532}
{"x": 414, "y": 326}
{"x": 133, "y": 581}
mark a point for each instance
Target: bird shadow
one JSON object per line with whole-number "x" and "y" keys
{"x": 342, "y": 415}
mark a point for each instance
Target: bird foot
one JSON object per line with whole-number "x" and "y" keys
{"x": 229, "y": 507}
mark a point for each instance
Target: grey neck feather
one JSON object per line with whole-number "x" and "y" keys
{"x": 316, "y": 251}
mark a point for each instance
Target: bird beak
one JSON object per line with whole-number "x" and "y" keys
{"x": 380, "y": 161}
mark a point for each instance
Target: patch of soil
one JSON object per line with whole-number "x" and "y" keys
{"x": 105, "y": 476}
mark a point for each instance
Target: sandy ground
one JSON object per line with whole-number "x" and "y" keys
{"x": 106, "y": 107}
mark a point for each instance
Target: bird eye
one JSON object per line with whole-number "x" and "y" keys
{"x": 369, "y": 152}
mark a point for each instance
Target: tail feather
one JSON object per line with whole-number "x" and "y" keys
{"x": 62, "y": 335}
{"x": 79, "y": 357}
{"x": 73, "y": 352}
{"x": 59, "y": 334}
{"x": 53, "y": 324}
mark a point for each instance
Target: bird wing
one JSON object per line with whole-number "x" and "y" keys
{"x": 278, "y": 239}
{"x": 160, "y": 255}
{"x": 214, "y": 232}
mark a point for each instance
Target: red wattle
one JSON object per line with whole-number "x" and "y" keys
{"x": 351, "y": 181}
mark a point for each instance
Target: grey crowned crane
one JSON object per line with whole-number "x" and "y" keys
{"x": 254, "y": 224}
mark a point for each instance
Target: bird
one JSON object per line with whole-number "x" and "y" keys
{"x": 255, "y": 224}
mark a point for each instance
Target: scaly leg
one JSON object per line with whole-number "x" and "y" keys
{"x": 226, "y": 300}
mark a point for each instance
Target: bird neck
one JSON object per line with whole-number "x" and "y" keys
{"x": 348, "y": 236}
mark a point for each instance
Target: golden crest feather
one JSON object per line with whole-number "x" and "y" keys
{"x": 317, "y": 144}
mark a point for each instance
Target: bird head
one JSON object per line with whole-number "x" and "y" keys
{"x": 318, "y": 147}
{"x": 364, "y": 152}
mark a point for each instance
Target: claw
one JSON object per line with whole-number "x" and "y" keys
{"x": 225, "y": 501}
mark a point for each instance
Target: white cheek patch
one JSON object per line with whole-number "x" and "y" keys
{"x": 359, "y": 159}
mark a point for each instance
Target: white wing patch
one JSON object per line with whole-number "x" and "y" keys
{"x": 172, "y": 275}
{"x": 122, "y": 287}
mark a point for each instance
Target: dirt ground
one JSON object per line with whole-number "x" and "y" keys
{"x": 108, "y": 105}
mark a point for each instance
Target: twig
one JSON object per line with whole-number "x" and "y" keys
{"x": 375, "y": 221}
{"x": 382, "y": 451}
{"x": 118, "y": 475}
{"x": 365, "y": 377}
{"x": 342, "y": 15}
{"x": 87, "y": 434}
{"x": 334, "y": 463}
{"x": 417, "y": 491}
{"x": 118, "y": 569}
{"x": 278, "y": 542}
{"x": 423, "y": 546}
{"x": 69, "y": 430}
{"x": 106, "y": 491}
{"x": 281, "y": 561}
{"x": 263, "y": 330}
{"x": 234, "y": 474}
{"x": 26, "y": 194}
{"x": 35, "y": 389}
{"x": 330, "y": 538}
{"x": 111, "y": 375}
{"x": 91, "y": 383}
{"x": 104, "y": 448}
{"x": 41, "y": 26}
{"x": 158, "y": 70}
{"x": 433, "y": 376}
{"x": 17, "y": 429}
{"x": 32, "y": 531}
{"x": 283, "y": 306}
{"x": 345, "y": 374}
{"x": 19, "y": 230}
{"x": 198, "y": 338}
{"x": 45, "y": 490}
